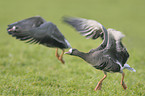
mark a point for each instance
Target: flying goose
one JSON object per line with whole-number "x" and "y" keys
{"x": 37, "y": 30}
{"x": 110, "y": 56}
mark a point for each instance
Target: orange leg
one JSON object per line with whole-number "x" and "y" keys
{"x": 61, "y": 57}
{"x": 122, "y": 82}
{"x": 56, "y": 53}
{"x": 99, "y": 85}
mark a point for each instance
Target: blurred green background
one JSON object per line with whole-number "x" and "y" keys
{"x": 33, "y": 69}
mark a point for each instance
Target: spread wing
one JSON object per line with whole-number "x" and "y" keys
{"x": 115, "y": 44}
{"x": 45, "y": 33}
{"x": 89, "y": 28}
{"x": 28, "y": 23}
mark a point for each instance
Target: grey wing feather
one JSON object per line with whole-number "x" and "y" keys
{"x": 37, "y": 30}
{"x": 28, "y": 23}
{"x": 25, "y": 28}
{"x": 89, "y": 28}
{"x": 47, "y": 31}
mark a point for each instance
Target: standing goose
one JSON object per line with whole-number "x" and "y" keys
{"x": 37, "y": 30}
{"x": 110, "y": 56}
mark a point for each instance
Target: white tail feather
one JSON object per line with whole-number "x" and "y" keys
{"x": 126, "y": 66}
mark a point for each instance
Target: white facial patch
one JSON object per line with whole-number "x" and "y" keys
{"x": 70, "y": 50}
{"x": 14, "y": 28}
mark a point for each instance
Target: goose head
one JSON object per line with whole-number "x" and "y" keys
{"x": 72, "y": 51}
{"x": 14, "y": 29}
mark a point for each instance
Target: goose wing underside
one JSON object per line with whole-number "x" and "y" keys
{"x": 88, "y": 28}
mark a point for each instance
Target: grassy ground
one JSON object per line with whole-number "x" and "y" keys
{"x": 33, "y": 69}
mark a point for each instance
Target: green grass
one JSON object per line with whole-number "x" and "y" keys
{"x": 27, "y": 69}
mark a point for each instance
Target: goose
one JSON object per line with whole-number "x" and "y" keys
{"x": 109, "y": 56}
{"x": 37, "y": 30}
